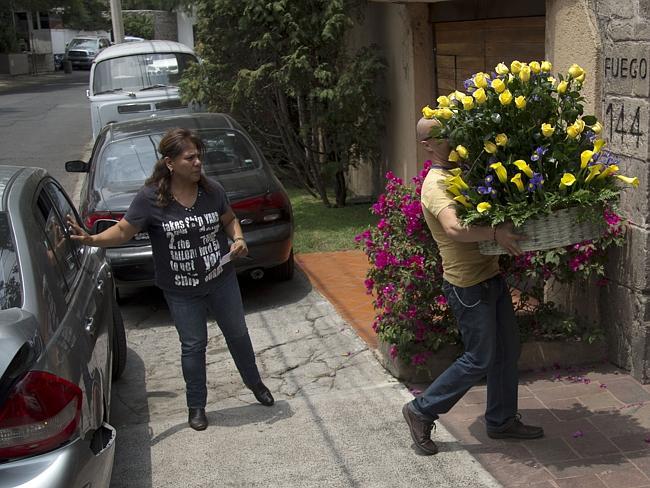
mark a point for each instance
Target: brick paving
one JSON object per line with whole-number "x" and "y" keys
{"x": 596, "y": 417}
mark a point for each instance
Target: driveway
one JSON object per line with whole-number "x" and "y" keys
{"x": 336, "y": 422}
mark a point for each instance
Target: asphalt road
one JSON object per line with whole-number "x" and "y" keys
{"x": 45, "y": 122}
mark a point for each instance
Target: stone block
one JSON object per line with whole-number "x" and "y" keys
{"x": 634, "y": 203}
{"x": 621, "y": 30}
{"x": 626, "y": 69}
{"x": 626, "y": 126}
{"x": 616, "y": 10}
{"x": 628, "y": 265}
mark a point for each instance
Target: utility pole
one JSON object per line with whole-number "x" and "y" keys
{"x": 116, "y": 19}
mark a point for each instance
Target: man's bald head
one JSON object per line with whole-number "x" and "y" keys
{"x": 438, "y": 148}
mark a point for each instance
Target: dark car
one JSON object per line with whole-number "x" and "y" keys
{"x": 61, "y": 341}
{"x": 81, "y": 51}
{"x": 123, "y": 157}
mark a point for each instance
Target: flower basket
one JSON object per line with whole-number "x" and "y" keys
{"x": 558, "y": 229}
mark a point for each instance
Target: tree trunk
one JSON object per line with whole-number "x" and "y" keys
{"x": 340, "y": 188}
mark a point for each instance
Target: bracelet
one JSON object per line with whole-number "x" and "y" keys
{"x": 238, "y": 239}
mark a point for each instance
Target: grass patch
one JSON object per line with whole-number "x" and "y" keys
{"x": 322, "y": 229}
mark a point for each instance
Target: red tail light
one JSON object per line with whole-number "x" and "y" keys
{"x": 265, "y": 208}
{"x": 41, "y": 412}
{"x": 91, "y": 219}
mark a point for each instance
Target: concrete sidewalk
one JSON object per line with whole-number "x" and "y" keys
{"x": 337, "y": 421}
{"x": 596, "y": 417}
{"x": 8, "y": 82}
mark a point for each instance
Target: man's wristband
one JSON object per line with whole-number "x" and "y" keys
{"x": 238, "y": 239}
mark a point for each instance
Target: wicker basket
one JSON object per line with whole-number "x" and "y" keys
{"x": 558, "y": 229}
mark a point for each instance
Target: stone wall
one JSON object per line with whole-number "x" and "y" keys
{"x": 625, "y": 74}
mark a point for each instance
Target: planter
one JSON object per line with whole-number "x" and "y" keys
{"x": 558, "y": 229}
{"x": 534, "y": 355}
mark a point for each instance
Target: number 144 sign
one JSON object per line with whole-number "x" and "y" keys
{"x": 626, "y": 127}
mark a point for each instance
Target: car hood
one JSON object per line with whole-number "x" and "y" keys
{"x": 238, "y": 186}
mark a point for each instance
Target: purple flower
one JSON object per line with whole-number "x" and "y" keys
{"x": 420, "y": 358}
{"x": 577, "y": 433}
{"x": 489, "y": 179}
{"x": 369, "y": 284}
{"x": 484, "y": 190}
{"x": 538, "y": 153}
{"x": 535, "y": 182}
{"x": 392, "y": 352}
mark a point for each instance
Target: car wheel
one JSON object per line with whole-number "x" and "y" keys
{"x": 119, "y": 343}
{"x": 284, "y": 272}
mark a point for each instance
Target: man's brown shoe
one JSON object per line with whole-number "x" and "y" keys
{"x": 420, "y": 429}
{"x": 518, "y": 430}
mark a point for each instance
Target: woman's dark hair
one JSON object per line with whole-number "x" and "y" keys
{"x": 172, "y": 145}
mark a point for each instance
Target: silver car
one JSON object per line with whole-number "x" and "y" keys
{"x": 62, "y": 341}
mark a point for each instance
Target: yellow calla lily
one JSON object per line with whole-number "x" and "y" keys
{"x": 443, "y": 101}
{"x": 462, "y": 151}
{"x": 520, "y": 102}
{"x": 500, "y": 171}
{"x": 428, "y": 112}
{"x": 551, "y": 80}
{"x": 490, "y": 147}
{"x": 515, "y": 67}
{"x": 480, "y": 80}
{"x": 610, "y": 170}
{"x": 458, "y": 95}
{"x": 547, "y": 130}
{"x": 626, "y": 179}
{"x": 463, "y": 200}
{"x": 468, "y": 102}
{"x": 546, "y": 66}
{"x": 580, "y": 78}
{"x": 598, "y": 145}
{"x": 455, "y": 171}
{"x": 597, "y": 128}
{"x": 498, "y": 85}
{"x": 523, "y": 166}
{"x": 505, "y": 98}
{"x": 453, "y": 156}
{"x": 585, "y": 157}
{"x": 524, "y": 73}
{"x": 501, "y": 69}
{"x": 593, "y": 172}
{"x": 457, "y": 181}
{"x": 567, "y": 180}
{"x": 480, "y": 96}
{"x": 501, "y": 140}
{"x": 535, "y": 67}
{"x": 561, "y": 88}
{"x": 483, "y": 207}
{"x": 516, "y": 179}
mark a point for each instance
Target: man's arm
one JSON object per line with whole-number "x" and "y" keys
{"x": 503, "y": 234}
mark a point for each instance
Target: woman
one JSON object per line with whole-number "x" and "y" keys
{"x": 189, "y": 219}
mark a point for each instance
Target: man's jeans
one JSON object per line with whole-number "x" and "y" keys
{"x": 189, "y": 313}
{"x": 486, "y": 320}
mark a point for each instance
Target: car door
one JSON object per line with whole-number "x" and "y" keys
{"x": 84, "y": 335}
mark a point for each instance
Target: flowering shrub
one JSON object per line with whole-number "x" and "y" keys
{"x": 524, "y": 146}
{"x": 405, "y": 276}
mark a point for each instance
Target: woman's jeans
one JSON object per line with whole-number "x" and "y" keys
{"x": 189, "y": 313}
{"x": 486, "y": 320}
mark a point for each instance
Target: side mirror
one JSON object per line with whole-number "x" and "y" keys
{"x": 76, "y": 166}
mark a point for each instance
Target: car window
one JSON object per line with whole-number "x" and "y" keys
{"x": 140, "y": 71}
{"x": 127, "y": 162}
{"x": 228, "y": 151}
{"x": 83, "y": 44}
{"x": 62, "y": 252}
{"x": 10, "y": 282}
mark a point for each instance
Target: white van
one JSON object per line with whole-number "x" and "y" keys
{"x": 137, "y": 79}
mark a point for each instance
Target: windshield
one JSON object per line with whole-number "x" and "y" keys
{"x": 129, "y": 162}
{"x": 10, "y": 285}
{"x": 140, "y": 71}
{"x": 83, "y": 44}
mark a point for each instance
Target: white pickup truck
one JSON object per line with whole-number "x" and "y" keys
{"x": 137, "y": 79}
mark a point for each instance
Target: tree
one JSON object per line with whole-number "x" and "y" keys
{"x": 284, "y": 69}
{"x": 138, "y": 24}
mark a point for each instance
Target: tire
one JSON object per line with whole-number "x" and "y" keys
{"x": 284, "y": 272}
{"x": 119, "y": 343}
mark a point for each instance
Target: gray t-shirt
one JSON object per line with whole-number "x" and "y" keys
{"x": 187, "y": 243}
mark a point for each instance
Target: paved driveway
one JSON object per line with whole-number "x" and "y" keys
{"x": 336, "y": 422}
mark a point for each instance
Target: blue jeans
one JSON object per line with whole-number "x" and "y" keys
{"x": 488, "y": 328}
{"x": 189, "y": 313}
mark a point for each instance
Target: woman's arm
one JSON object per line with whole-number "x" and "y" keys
{"x": 113, "y": 236}
{"x": 233, "y": 230}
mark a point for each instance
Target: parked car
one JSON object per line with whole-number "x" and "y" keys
{"x": 137, "y": 79}
{"x": 61, "y": 341}
{"x": 81, "y": 51}
{"x": 123, "y": 157}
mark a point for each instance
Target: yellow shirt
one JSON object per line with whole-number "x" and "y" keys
{"x": 462, "y": 263}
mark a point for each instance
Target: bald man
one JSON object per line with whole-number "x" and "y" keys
{"x": 480, "y": 300}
